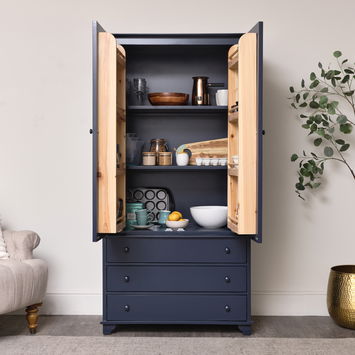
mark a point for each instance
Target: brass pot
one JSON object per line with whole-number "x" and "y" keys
{"x": 341, "y": 295}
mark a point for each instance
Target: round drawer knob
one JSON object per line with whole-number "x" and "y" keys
{"x": 126, "y": 249}
{"x": 126, "y": 308}
{"x": 227, "y": 250}
{"x": 227, "y": 308}
{"x": 126, "y": 278}
{"x": 227, "y": 279}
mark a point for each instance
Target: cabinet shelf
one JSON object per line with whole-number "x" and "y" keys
{"x": 177, "y": 109}
{"x": 191, "y": 230}
{"x": 175, "y": 168}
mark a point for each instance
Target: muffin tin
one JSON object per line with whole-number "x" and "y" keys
{"x": 154, "y": 199}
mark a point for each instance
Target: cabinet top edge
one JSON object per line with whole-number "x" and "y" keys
{"x": 224, "y": 39}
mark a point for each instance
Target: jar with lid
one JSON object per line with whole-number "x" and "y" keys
{"x": 149, "y": 158}
{"x": 158, "y": 145}
{"x": 165, "y": 158}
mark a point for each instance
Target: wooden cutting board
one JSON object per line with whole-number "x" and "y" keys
{"x": 212, "y": 148}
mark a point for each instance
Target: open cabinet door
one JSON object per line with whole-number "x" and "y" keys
{"x": 109, "y": 129}
{"x": 245, "y": 135}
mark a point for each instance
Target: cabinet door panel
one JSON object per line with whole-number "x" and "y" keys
{"x": 110, "y": 141}
{"x": 244, "y": 133}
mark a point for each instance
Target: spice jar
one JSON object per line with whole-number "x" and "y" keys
{"x": 149, "y": 158}
{"x": 165, "y": 158}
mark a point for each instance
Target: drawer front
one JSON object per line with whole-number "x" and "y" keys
{"x": 176, "y": 250}
{"x": 155, "y": 308}
{"x": 165, "y": 278}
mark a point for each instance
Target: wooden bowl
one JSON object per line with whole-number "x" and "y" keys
{"x": 168, "y": 98}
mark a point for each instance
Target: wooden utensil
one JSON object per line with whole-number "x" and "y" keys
{"x": 213, "y": 148}
{"x": 168, "y": 98}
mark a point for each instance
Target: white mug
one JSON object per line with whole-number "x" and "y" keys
{"x": 222, "y": 97}
{"x": 182, "y": 159}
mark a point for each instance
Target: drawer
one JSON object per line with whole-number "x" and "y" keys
{"x": 173, "y": 307}
{"x": 176, "y": 250}
{"x": 158, "y": 278}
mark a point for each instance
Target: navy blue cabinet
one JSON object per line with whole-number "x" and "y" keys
{"x": 198, "y": 276}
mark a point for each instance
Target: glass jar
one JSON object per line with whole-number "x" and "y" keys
{"x": 165, "y": 158}
{"x": 149, "y": 158}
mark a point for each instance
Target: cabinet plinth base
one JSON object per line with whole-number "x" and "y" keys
{"x": 245, "y": 329}
{"x": 108, "y": 329}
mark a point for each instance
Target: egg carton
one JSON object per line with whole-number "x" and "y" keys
{"x": 154, "y": 199}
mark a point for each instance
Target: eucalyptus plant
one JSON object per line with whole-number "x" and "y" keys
{"x": 323, "y": 106}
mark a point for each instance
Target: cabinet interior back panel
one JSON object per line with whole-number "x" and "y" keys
{"x": 188, "y": 189}
{"x": 171, "y": 68}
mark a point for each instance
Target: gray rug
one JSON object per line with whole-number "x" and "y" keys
{"x": 53, "y": 345}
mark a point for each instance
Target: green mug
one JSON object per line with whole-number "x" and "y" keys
{"x": 132, "y": 207}
{"x": 144, "y": 217}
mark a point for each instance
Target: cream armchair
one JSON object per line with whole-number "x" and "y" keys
{"x": 23, "y": 280}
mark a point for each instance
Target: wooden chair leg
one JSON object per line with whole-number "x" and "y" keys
{"x": 32, "y": 317}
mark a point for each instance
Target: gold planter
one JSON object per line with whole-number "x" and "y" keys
{"x": 341, "y": 295}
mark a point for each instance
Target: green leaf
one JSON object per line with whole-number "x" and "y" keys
{"x": 317, "y": 142}
{"x": 321, "y": 131}
{"x": 333, "y": 81}
{"x": 306, "y": 126}
{"x": 346, "y": 128}
{"x": 313, "y": 104}
{"x": 302, "y": 83}
{"x": 337, "y": 54}
{"x": 349, "y": 93}
{"x": 345, "y": 79}
{"x": 342, "y": 119}
{"x": 324, "y": 90}
{"x": 298, "y": 96}
{"x": 299, "y": 186}
{"x": 294, "y": 157}
{"x": 327, "y": 136}
{"x": 349, "y": 71}
{"x": 314, "y": 84}
{"x": 340, "y": 141}
{"x": 303, "y": 104}
{"x": 313, "y": 127}
{"x": 305, "y": 95}
{"x": 328, "y": 151}
{"x": 323, "y": 100}
{"x": 331, "y": 109}
{"x": 344, "y": 147}
{"x": 293, "y": 105}
{"x": 312, "y": 76}
{"x": 316, "y": 184}
{"x": 303, "y": 116}
{"x": 292, "y": 89}
{"x": 320, "y": 66}
{"x": 344, "y": 61}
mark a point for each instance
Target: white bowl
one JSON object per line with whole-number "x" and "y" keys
{"x": 210, "y": 217}
{"x": 177, "y": 224}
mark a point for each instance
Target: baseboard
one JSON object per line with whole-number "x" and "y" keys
{"x": 266, "y": 303}
{"x": 279, "y": 303}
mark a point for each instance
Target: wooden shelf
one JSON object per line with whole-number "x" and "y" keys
{"x": 233, "y": 117}
{"x": 175, "y": 168}
{"x": 177, "y": 109}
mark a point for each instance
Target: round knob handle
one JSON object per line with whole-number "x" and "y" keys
{"x": 91, "y": 131}
{"x": 227, "y": 308}
{"x": 263, "y": 132}
{"x": 227, "y": 279}
{"x": 126, "y": 308}
{"x": 227, "y": 250}
{"x": 126, "y": 278}
{"x": 126, "y": 249}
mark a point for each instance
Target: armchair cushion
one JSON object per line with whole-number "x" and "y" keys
{"x": 3, "y": 252}
{"x": 22, "y": 283}
{"x": 20, "y": 244}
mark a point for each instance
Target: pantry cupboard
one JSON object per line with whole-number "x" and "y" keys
{"x": 198, "y": 276}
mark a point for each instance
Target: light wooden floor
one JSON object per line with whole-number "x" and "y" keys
{"x": 277, "y": 327}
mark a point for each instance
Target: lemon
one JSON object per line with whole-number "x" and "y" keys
{"x": 179, "y": 213}
{"x": 174, "y": 216}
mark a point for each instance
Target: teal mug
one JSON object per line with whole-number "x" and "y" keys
{"x": 132, "y": 207}
{"x": 163, "y": 216}
{"x": 144, "y": 217}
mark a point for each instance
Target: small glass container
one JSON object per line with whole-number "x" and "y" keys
{"x": 199, "y": 161}
{"x": 206, "y": 161}
{"x": 149, "y": 158}
{"x": 165, "y": 158}
{"x": 222, "y": 161}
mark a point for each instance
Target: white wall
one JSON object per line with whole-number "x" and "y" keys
{"x": 45, "y": 148}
